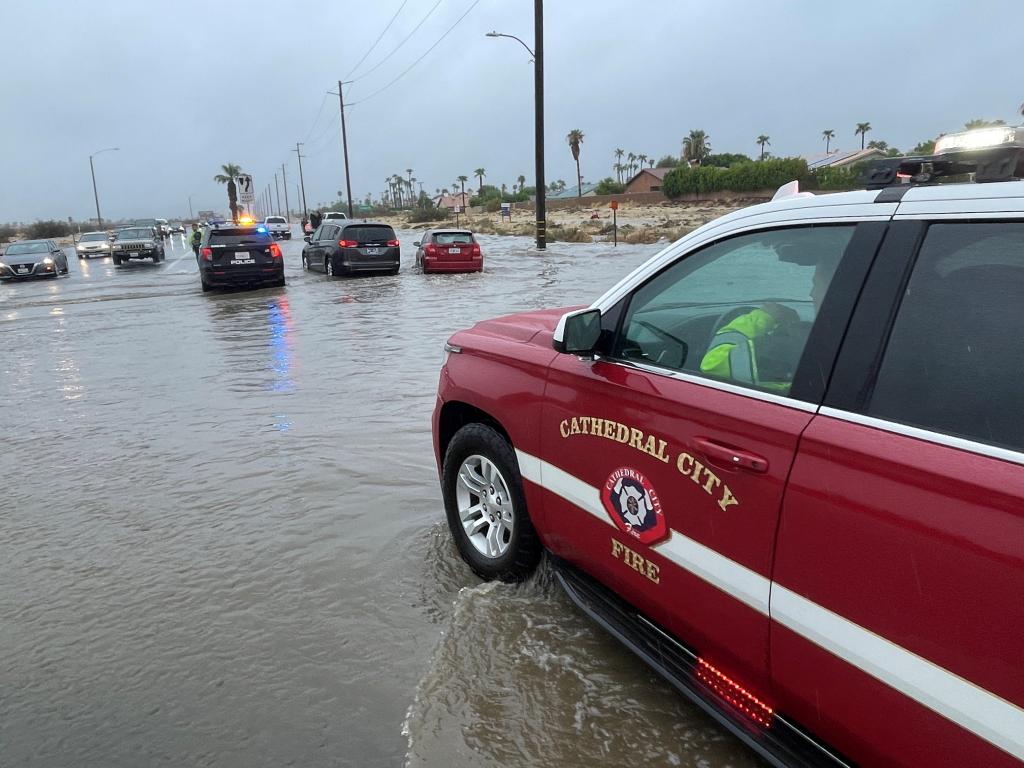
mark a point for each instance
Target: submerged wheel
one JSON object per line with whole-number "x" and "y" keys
{"x": 329, "y": 266}
{"x": 485, "y": 505}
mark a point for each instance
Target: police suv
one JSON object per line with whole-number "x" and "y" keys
{"x": 783, "y": 462}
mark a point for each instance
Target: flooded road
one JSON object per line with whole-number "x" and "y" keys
{"x": 222, "y": 541}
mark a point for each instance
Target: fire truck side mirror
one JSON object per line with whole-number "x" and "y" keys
{"x": 578, "y": 332}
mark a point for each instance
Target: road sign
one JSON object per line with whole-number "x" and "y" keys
{"x": 243, "y": 183}
{"x": 614, "y": 205}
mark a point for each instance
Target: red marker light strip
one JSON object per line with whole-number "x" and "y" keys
{"x": 736, "y": 695}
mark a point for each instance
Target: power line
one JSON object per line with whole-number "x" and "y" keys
{"x": 405, "y": 71}
{"x": 319, "y": 112}
{"x": 395, "y": 50}
{"x": 358, "y": 63}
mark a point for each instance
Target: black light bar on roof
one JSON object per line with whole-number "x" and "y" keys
{"x": 1000, "y": 163}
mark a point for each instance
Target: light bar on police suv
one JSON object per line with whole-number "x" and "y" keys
{"x": 980, "y": 138}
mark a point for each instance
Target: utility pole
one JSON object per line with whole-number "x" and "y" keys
{"x": 344, "y": 148}
{"x": 287, "y": 207}
{"x": 538, "y": 95}
{"x": 302, "y": 182}
{"x": 277, "y": 191}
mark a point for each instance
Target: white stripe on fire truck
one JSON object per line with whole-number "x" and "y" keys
{"x": 997, "y": 721}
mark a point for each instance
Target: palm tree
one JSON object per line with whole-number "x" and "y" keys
{"x": 862, "y": 130}
{"x": 643, "y": 159}
{"x": 480, "y": 173}
{"x": 619, "y": 168}
{"x": 696, "y": 147}
{"x": 763, "y": 141}
{"x": 575, "y": 138}
{"x": 462, "y": 183}
{"x": 618, "y": 164}
{"x": 229, "y": 176}
{"x": 561, "y": 185}
{"x": 828, "y": 135}
{"x": 630, "y": 162}
{"x": 522, "y": 182}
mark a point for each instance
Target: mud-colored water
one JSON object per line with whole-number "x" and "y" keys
{"x": 221, "y": 537}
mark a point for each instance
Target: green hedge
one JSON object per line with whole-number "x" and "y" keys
{"x": 742, "y": 177}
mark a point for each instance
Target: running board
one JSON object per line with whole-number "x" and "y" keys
{"x": 781, "y": 743}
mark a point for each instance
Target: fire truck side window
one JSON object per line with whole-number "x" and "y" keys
{"x": 739, "y": 310}
{"x": 954, "y": 359}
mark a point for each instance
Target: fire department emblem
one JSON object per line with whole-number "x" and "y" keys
{"x": 633, "y": 505}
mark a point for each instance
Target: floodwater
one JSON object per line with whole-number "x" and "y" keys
{"x": 222, "y": 540}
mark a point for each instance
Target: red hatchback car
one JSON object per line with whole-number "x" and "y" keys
{"x": 449, "y": 250}
{"x": 783, "y": 462}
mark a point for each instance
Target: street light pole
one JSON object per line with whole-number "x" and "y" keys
{"x": 95, "y": 194}
{"x": 302, "y": 182}
{"x": 287, "y": 207}
{"x": 538, "y": 101}
{"x": 344, "y": 147}
{"x": 538, "y": 113}
{"x": 190, "y": 216}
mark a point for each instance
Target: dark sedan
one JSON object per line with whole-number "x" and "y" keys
{"x": 337, "y": 248}
{"x": 33, "y": 258}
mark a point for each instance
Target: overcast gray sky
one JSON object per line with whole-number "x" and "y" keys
{"x": 182, "y": 87}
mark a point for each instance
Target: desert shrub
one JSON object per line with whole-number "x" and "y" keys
{"x": 420, "y": 215}
{"x": 48, "y": 228}
{"x": 568, "y": 235}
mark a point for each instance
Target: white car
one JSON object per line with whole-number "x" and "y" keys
{"x": 278, "y": 226}
{"x": 335, "y": 215}
{"x": 93, "y": 244}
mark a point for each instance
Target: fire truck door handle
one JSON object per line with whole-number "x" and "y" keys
{"x": 733, "y": 457}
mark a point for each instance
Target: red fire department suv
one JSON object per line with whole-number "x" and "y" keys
{"x": 782, "y": 462}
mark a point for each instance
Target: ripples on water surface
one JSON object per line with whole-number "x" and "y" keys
{"x": 221, "y": 539}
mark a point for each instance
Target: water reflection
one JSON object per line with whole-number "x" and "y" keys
{"x": 281, "y": 342}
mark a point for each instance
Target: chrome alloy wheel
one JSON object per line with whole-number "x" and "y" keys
{"x": 485, "y": 506}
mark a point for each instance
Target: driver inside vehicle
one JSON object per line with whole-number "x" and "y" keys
{"x": 762, "y": 345}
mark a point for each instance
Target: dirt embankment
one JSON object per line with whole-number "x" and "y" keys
{"x": 637, "y": 223}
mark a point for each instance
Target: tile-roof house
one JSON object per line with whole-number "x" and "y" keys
{"x": 647, "y": 180}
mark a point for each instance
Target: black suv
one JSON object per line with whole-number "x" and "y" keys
{"x": 239, "y": 254}
{"x": 337, "y": 248}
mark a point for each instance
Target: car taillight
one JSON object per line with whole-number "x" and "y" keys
{"x": 476, "y": 249}
{"x": 348, "y": 243}
{"x": 207, "y": 254}
{"x": 392, "y": 243}
{"x": 430, "y": 250}
{"x": 275, "y": 251}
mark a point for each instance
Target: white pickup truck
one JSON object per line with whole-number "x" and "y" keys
{"x": 278, "y": 226}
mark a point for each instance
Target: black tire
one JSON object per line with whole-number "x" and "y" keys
{"x": 524, "y": 550}
{"x": 394, "y": 271}
{"x": 81, "y": 257}
{"x": 278, "y": 283}
{"x": 206, "y": 286}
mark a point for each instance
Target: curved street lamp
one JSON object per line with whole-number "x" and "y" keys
{"x": 95, "y": 194}
{"x": 513, "y": 37}
{"x": 538, "y": 94}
